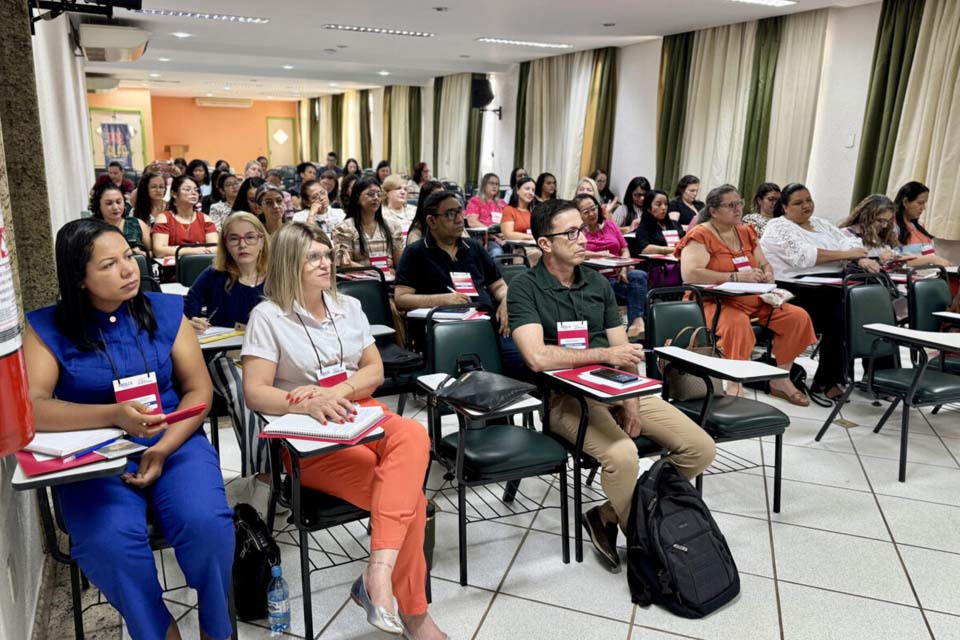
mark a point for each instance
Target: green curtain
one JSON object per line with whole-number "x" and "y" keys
{"x": 314, "y": 141}
{"x": 753, "y": 167}
{"x": 387, "y": 125}
{"x": 336, "y": 115}
{"x": 675, "y": 60}
{"x": 521, "y": 131}
{"x": 892, "y": 59}
{"x": 365, "y": 151}
{"x": 437, "y": 92}
{"x": 601, "y": 113}
{"x": 415, "y": 115}
{"x": 474, "y": 137}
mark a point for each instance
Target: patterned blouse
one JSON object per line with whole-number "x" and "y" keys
{"x": 346, "y": 242}
{"x": 792, "y": 250}
{"x": 758, "y": 221}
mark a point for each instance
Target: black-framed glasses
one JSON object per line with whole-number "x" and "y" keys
{"x": 571, "y": 234}
{"x": 449, "y": 214}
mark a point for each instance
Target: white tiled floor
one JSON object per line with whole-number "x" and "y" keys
{"x": 853, "y": 554}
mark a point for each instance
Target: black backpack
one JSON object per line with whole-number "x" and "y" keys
{"x": 676, "y": 555}
{"x": 256, "y": 552}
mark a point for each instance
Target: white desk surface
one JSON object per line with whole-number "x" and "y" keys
{"x": 611, "y": 263}
{"x": 631, "y": 235}
{"x": 174, "y": 288}
{"x": 167, "y": 261}
{"x": 949, "y": 341}
{"x": 740, "y": 369}
{"x": 659, "y": 256}
{"x": 523, "y": 243}
{"x": 601, "y": 395}
{"x": 947, "y": 315}
{"x": 314, "y": 446}
{"x": 432, "y": 380}
{"x": 95, "y": 469}
{"x": 378, "y": 330}
{"x": 233, "y": 342}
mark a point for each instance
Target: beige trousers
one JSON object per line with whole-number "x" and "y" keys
{"x": 689, "y": 446}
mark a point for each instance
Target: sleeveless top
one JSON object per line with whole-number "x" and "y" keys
{"x": 86, "y": 377}
{"x": 132, "y": 231}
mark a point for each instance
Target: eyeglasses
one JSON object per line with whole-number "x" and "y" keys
{"x": 317, "y": 258}
{"x": 883, "y": 222}
{"x": 231, "y": 184}
{"x": 736, "y": 204}
{"x": 589, "y": 210}
{"x": 187, "y": 190}
{"x": 373, "y": 195}
{"x": 571, "y": 234}
{"x": 272, "y": 202}
{"x": 233, "y": 240}
{"x": 449, "y": 214}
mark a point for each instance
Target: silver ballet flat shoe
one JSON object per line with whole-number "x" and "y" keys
{"x": 376, "y": 616}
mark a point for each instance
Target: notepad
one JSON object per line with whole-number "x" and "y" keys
{"x": 212, "y": 332}
{"x": 459, "y": 314}
{"x": 64, "y": 443}
{"x": 221, "y": 335}
{"x": 295, "y": 426}
{"x": 745, "y": 287}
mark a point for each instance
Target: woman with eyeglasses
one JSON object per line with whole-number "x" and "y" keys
{"x": 627, "y": 215}
{"x": 486, "y": 209}
{"x": 604, "y": 240}
{"x": 720, "y": 249}
{"x": 182, "y": 223}
{"x": 315, "y": 198}
{"x": 603, "y": 184}
{"x": 366, "y": 238}
{"x": 148, "y": 201}
{"x": 395, "y": 207}
{"x": 229, "y": 186}
{"x": 308, "y": 350}
{"x": 766, "y": 207}
{"x": 872, "y": 221}
{"x": 272, "y": 206}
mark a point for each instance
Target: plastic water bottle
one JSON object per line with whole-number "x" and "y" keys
{"x": 278, "y": 603}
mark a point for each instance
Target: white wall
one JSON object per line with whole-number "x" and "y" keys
{"x": 635, "y": 127}
{"x": 61, "y": 93}
{"x": 844, "y": 83}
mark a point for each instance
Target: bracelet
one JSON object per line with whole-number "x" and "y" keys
{"x": 352, "y": 388}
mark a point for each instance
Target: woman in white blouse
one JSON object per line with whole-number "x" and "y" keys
{"x": 799, "y": 243}
{"x": 395, "y": 207}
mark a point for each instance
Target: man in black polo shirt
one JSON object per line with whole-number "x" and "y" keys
{"x": 429, "y": 267}
{"x": 559, "y": 290}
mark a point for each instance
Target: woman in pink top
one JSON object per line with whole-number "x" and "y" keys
{"x": 486, "y": 209}
{"x": 604, "y": 240}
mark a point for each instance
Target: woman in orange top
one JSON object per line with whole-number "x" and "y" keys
{"x": 515, "y": 223}
{"x": 720, "y": 249}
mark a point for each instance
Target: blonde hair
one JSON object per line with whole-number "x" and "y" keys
{"x": 392, "y": 182}
{"x": 591, "y": 182}
{"x": 223, "y": 261}
{"x": 291, "y": 244}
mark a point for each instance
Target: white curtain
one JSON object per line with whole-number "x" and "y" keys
{"x": 376, "y": 125}
{"x": 351, "y": 125}
{"x": 719, "y": 92}
{"x": 928, "y": 142}
{"x": 426, "y": 124}
{"x": 558, "y": 91}
{"x": 400, "y": 144}
{"x": 795, "y": 92}
{"x": 326, "y": 124}
{"x": 305, "y": 120}
{"x": 452, "y": 136}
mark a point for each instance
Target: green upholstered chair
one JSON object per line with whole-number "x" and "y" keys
{"x": 486, "y": 449}
{"x": 924, "y": 298}
{"x": 191, "y": 265}
{"x": 867, "y": 300}
{"x": 725, "y": 418}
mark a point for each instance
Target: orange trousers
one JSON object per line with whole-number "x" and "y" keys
{"x": 791, "y": 326}
{"x": 385, "y": 477}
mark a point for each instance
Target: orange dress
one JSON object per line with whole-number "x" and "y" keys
{"x": 791, "y": 326}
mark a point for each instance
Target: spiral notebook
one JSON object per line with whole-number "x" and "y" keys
{"x": 299, "y": 426}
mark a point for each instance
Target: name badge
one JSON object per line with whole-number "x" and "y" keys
{"x": 742, "y": 263}
{"x": 672, "y": 237}
{"x": 496, "y": 217}
{"x": 926, "y": 250}
{"x": 463, "y": 283}
{"x": 141, "y": 388}
{"x": 573, "y": 335}
{"x": 380, "y": 261}
{"x": 331, "y": 376}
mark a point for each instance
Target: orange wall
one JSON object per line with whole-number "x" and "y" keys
{"x": 129, "y": 99}
{"x": 236, "y": 135}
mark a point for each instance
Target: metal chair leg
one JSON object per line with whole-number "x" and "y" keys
{"x": 777, "y": 469}
{"x": 904, "y": 432}
{"x": 698, "y": 483}
{"x": 462, "y": 525}
{"x": 577, "y": 511}
{"x": 401, "y": 403}
{"x": 215, "y": 434}
{"x": 836, "y": 409}
{"x": 564, "y": 516}
{"x": 305, "y": 584}
{"x": 77, "y": 606}
{"x": 592, "y": 476}
{"x": 886, "y": 415}
{"x": 510, "y": 491}
{"x": 936, "y": 409}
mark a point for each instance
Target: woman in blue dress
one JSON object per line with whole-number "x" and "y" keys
{"x": 106, "y": 334}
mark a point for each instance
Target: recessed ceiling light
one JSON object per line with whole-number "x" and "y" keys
{"x": 334, "y": 84}
{"x": 209, "y": 95}
{"x": 227, "y": 87}
{"x": 223, "y": 17}
{"x": 768, "y": 3}
{"x": 288, "y": 66}
{"x": 181, "y": 34}
{"x": 379, "y": 30}
{"x": 154, "y": 75}
{"x": 383, "y": 73}
{"x": 164, "y": 59}
{"x": 525, "y": 43}
{"x": 269, "y": 97}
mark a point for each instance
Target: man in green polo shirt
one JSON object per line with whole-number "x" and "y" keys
{"x": 564, "y": 316}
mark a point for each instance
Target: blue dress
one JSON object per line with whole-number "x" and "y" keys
{"x": 107, "y": 518}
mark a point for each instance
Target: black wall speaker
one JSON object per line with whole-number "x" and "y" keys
{"x": 481, "y": 94}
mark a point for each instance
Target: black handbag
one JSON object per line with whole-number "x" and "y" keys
{"x": 480, "y": 390}
{"x": 255, "y": 554}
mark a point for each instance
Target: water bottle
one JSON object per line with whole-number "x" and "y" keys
{"x": 278, "y": 603}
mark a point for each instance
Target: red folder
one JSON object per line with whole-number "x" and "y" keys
{"x": 573, "y": 375}
{"x": 33, "y": 467}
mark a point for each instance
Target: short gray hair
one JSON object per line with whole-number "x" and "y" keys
{"x": 713, "y": 201}
{"x": 266, "y": 188}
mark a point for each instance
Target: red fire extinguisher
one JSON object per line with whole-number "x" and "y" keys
{"x": 16, "y": 412}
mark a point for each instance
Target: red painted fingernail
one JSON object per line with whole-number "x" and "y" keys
{"x": 324, "y": 423}
{"x": 341, "y": 421}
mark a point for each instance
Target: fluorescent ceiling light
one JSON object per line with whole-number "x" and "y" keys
{"x": 383, "y": 73}
{"x": 181, "y": 34}
{"x": 288, "y": 66}
{"x": 223, "y": 17}
{"x": 768, "y": 3}
{"x": 154, "y": 75}
{"x": 525, "y": 43}
{"x": 164, "y": 59}
{"x": 379, "y": 30}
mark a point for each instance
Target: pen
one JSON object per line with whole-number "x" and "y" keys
{"x": 80, "y": 454}
{"x": 451, "y": 290}
{"x": 210, "y": 315}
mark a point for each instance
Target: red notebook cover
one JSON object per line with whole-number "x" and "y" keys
{"x": 33, "y": 467}
{"x": 351, "y": 442}
{"x": 573, "y": 375}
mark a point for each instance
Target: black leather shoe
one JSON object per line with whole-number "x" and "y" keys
{"x": 604, "y": 538}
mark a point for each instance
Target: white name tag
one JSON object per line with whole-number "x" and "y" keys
{"x": 672, "y": 237}
{"x": 573, "y": 335}
{"x": 742, "y": 263}
{"x": 496, "y": 217}
{"x": 331, "y": 376}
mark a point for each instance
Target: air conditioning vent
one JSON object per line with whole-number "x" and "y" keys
{"x": 234, "y": 103}
{"x": 107, "y": 43}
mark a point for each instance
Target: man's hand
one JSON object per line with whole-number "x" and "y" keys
{"x": 629, "y": 354}
{"x": 503, "y": 319}
{"x": 630, "y": 418}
